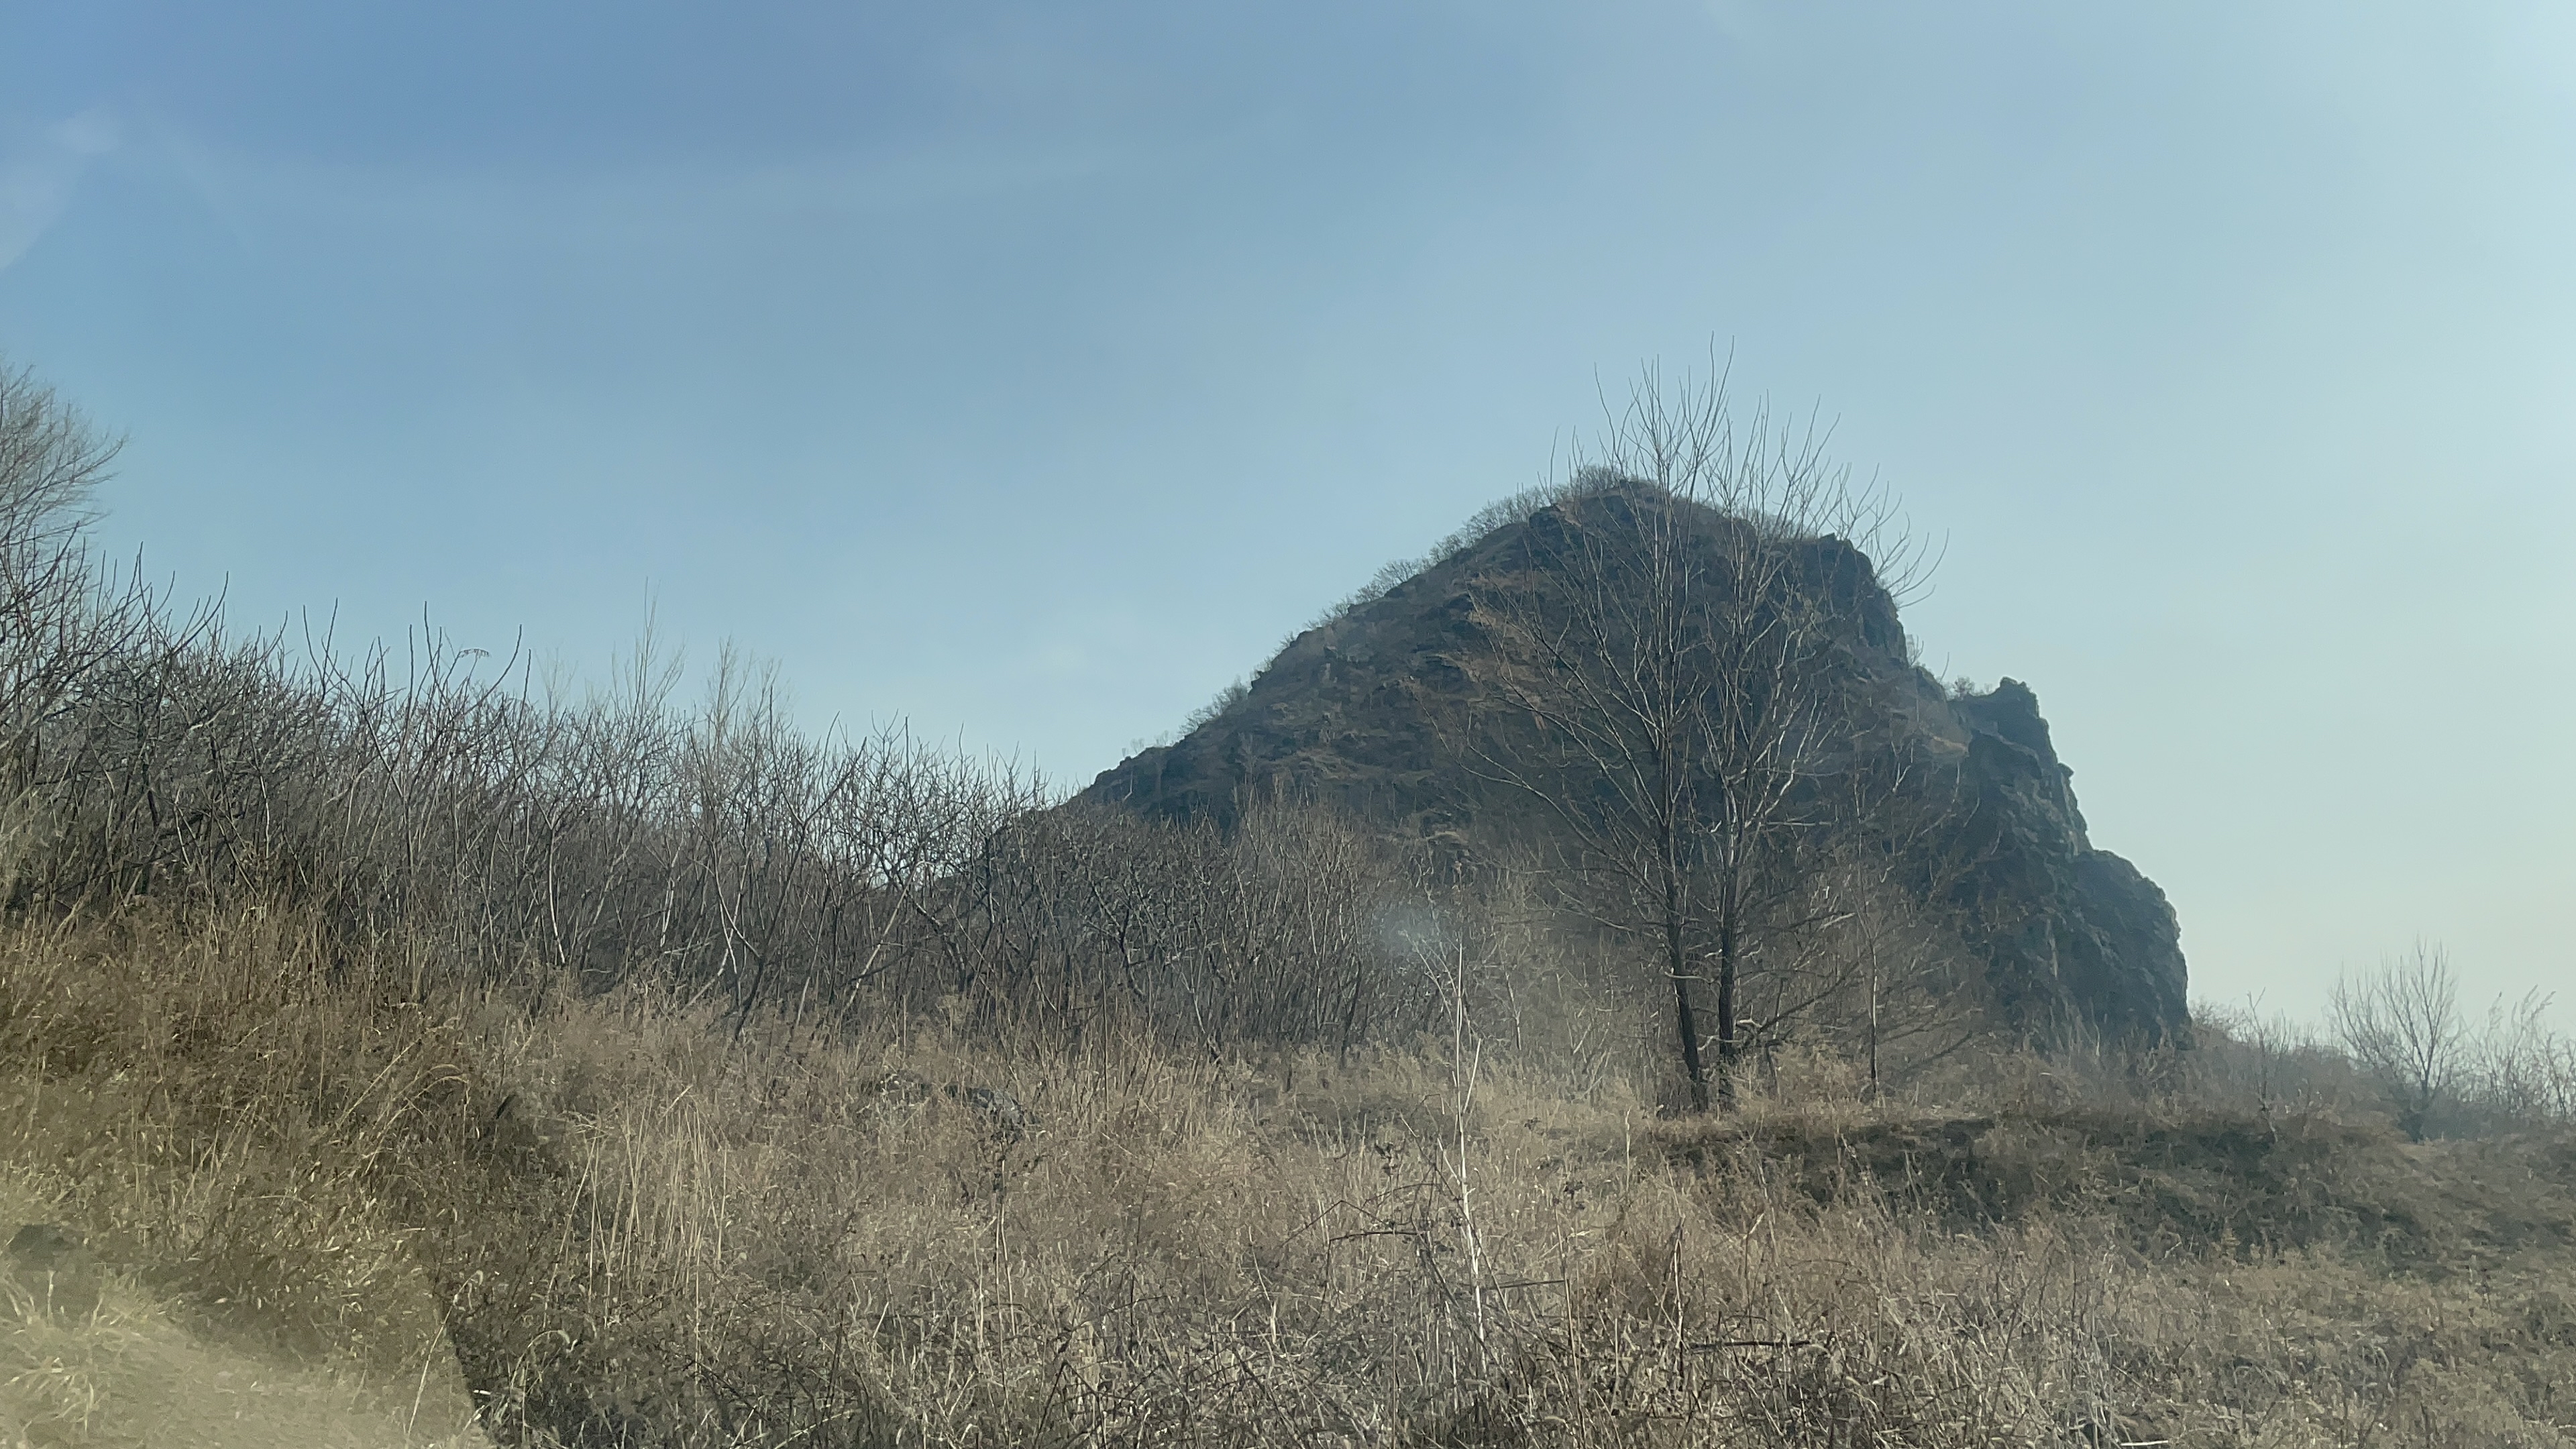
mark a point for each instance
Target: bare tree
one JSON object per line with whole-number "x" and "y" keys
{"x": 61, "y": 616}
{"x": 51, "y": 460}
{"x": 2401, "y": 1024}
{"x": 1673, "y": 667}
{"x": 2525, "y": 1071}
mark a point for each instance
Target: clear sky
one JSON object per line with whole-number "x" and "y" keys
{"x": 1030, "y": 371}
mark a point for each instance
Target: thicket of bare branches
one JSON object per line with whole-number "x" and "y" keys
{"x": 435, "y": 794}
{"x": 2401, "y": 1030}
{"x": 2396, "y": 1039}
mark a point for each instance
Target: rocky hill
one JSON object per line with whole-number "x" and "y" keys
{"x": 1363, "y": 711}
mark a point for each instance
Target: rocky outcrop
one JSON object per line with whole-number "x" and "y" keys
{"x": 2068, "y": 930}
{"x": 1361, "y": 712}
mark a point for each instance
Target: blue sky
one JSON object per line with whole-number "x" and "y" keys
{"x": 1029, "y": 371}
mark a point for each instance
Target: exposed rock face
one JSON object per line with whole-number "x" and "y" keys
{"x": 1360, "y": 711}
{"x": 2054, "y": 915}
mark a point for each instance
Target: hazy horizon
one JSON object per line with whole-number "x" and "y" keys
{"x": 1030, "y": 378}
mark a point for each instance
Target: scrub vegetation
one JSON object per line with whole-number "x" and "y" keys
{"x": 421, "y": 1047}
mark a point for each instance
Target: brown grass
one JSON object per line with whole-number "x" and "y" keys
{"x": 630, "y": 1227}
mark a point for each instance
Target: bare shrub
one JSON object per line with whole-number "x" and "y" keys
{"x": 2249, "y": 1059}
{"x": 430, "y": 792}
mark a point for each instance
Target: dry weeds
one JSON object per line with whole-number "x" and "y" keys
{"x": 641, "y": 1228}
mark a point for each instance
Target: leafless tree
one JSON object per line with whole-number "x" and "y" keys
{"x": 2525, "y": 1071}
{"x": 51, "y": 460}
{"x": 61, "y": 614}
{"x": 2401, "y": 1024}
{"x": 1673, "y": 669}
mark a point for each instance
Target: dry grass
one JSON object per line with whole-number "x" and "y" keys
{"x": 636, "y": 1228}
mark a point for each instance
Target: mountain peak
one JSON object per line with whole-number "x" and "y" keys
{"x": 1365, "y": 710}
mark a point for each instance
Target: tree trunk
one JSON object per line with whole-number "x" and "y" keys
{"x": 1728, "y": 947}
{"x": 1685, "y": 1015}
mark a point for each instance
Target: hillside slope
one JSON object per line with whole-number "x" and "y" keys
{"x": 1364, "y": 710}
